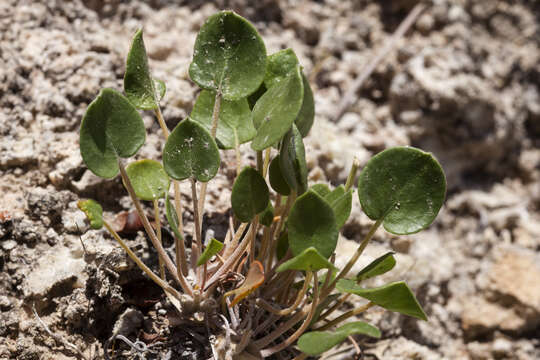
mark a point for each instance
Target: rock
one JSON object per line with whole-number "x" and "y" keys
{"x": 402, "y": 348}
{"x": 76, "y": 311}
{"x": 425, "y": 23}
{"x": 5, "y": 303}
{"x": 502, "y": 347}
{"x": 17, "y": 152}
{"x": 88, "y": 180}
{"x": 27, "y": 232}
{"x": 66, "y": 169}
{"x": 303, "y": 22}
{"x": 511, "y": 301}
{"x": 401, "y": 244}
{"x": 128, "y": 322}
{"x": 74, "y": 220}
{"x": 338, "y": 154}
{"x": 480, "y": 317}
{"x": 57, "y": 272}
{"x": 472, "y": 128}
{"x": 46, "y": 204}
{"x": 513, "y": 277}
{"x": 9, "y": 323}
{"x": 9, "y": 245}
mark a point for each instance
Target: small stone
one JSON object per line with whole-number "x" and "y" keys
{"x": 74, "y": 220}
{"x": 425, "y": 23}
{"x": 52, "y": 237}
{"x": 401, "y": 245}
{"x": 305, "y": 25}
{"x": 56, "y": 272}
{"x": 515, "y": 273}
{"x": 480, "y": 317}
{"x": 129, "y": 321}
{"x": 5, "y": 303}
{"x": 502, "y": 346}
{"x": 9, "y": 245}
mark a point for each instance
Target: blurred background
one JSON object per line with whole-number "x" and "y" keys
{"x": 463, "y": 83}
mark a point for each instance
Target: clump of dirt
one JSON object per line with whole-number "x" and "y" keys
{"x": 463, "y": 84}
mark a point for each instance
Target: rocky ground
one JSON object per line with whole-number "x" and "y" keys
{"x": 463, "y": 84}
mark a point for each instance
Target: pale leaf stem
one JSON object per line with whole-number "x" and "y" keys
{"x": 148, "y": 228}
{"x": 196, "y": 244}
{"x": 160, "y": 282}
{"x": 353, "y": 259}
{"x": 344, "y": 316}
{"x": 159, "y": 237}
{"x": 290, "y": 309}
{"x": 291, "y": 339}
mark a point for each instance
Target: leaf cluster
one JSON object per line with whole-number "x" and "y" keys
{"x": 283, "y": 231}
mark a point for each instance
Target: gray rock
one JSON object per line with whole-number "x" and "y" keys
{"x": 403, "y": 348}
{"x": 5, "y": 303}
{"x": 511, "y": 300}
{"x": 57, "y": 272}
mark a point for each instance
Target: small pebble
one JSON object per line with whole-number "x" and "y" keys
{"x": 9, "y": 245}
{"x": 5, "y": 303}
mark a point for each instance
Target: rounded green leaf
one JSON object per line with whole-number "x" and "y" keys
{"x": 379, "y": 266}
{"x": 341, "y": 203}
{"x": 308, "y": 260}
{"x": 93, "y": 211}
{"x": 249, "y": 194}
{"x": 404, "y": 186}
{"x": 191, "y": 152}
{"x": 317, "y": 342}
{"x": 267, "y": 216}
{"x": 277, "y": 181}
{"x": 234, "y": 126}
{"x": 321, "y": 189}
{"x": 394, "y": 296}
{"x": 292, "y": 161}
{"x": 138, "y": 83}
{"x": 111, "y": 128}
{"x": 312, "y": 223}
{"x": 306, "y": 116}
{"x": 229, "y": 55}
{"x": 276, "y": 110}
{"x": 211, "y": 249}
{"x": 279, "y": 65}
{"x": 338, "y": 199}
{"x": 148, "y": 179}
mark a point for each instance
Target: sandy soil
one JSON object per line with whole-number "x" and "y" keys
{"x": 463, "y": 84}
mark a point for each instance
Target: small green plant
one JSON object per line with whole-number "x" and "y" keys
{"x": 280, "y": 242}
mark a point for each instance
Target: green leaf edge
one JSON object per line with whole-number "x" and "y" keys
{"x": 350, "y": 286}
{"x": 93, "y": 211}
{"x": 367, "y": 272}
{"x": 164, "y": 191}
{"x": 362, "y": 201}
{"x": 305, "y": 343}
{"x": 150, "y": 101}
{"x": 211, "y": 249}
{"x": 296, "y": 262}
